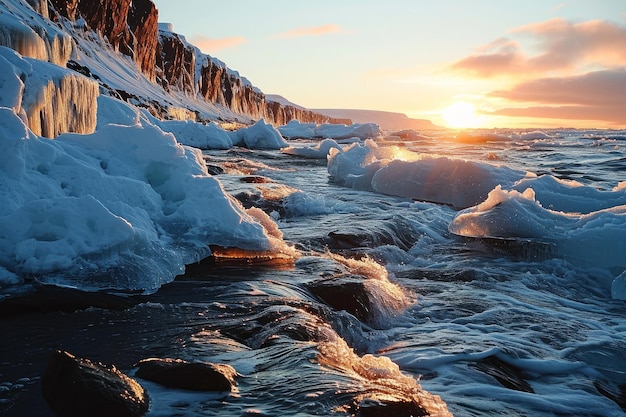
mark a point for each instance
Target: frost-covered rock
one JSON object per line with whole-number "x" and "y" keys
{"x": 126, "y": 207}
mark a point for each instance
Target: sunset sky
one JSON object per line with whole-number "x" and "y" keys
{"x": 479, "y": 63}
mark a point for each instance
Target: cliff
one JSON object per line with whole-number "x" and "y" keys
{"x": 130, "y": 27}
{"x": 185, "y": 68}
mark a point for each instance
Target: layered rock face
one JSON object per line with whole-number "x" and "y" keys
{"x": 131, "y": 26}
{"x": 185, "y": 68}
{"x": 165, "y": 57}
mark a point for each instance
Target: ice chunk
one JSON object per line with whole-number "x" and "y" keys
{"x": 396, "y": 171}
{"x": 261, "y": 135}
{"x": 571, "y": 196}
{"x": 319, "y": 151}
{"x": 618, "y": 287}
{"x": 295, "y": 129}
{"x": 126, "y": 208}
{"x": 594, "y": 239}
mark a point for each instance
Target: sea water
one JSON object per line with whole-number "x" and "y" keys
{"x": 493, "y": 326}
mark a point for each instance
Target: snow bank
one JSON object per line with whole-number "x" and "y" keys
{"x": 261, "y": 135}
{"x": 124, "y": 208}
{"x": 319, "y": 151}
{"x": 593, "y": 239}
{"x": 296, "y": 130}
{"x": 396, "y": 171}
{"x": 53, "y": 99}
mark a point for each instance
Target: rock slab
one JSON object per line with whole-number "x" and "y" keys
{"x": 195, "y": 376}
{"x": 76, "y": 387}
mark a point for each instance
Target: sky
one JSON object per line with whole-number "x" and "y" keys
{"x": 459, "y": 63}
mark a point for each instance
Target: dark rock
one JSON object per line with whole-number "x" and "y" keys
{"x": 387, "y": 408}
{"x": 214, "y": 169}
{"x": 48, "y": 298}
{"x": 345, "y": 293}
{"x": 506, "y": 374}
{"x": 255, "y": 179}
{"x": 76, "y": 387}
{"x": 130, "y": 26}
{"x": 249, "y": 199}
{"x": 196, "y": 376}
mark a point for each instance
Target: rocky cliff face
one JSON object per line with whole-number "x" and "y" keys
{"x": 131, "y": 27}
{"x": 186, "y": 68}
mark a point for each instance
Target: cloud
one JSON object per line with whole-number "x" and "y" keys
{"x": 560, "y": 46}
{"x": 311, "y": 31}
{"x": 597, "y": 95}
{"x": 209, "y": 45}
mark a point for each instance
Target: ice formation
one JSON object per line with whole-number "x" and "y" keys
{"x": 319, "y": 151}
{"x": 593, "y": 239}
{"x": 297, "y": 130}
{"x": 261, "y": 135}
{"x": 53, "y": 99}
{"x": 125, "y": 207}
{"x": 396, "y": 171}
{"x": 33, "y": 35}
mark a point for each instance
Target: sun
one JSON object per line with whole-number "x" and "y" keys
{"x": 461, "y": 114}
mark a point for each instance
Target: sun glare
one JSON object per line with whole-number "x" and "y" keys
{"x": 460, "y": 114}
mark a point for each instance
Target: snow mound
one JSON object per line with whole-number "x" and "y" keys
{"x": 124, "y": 208}
{"x": 396, "y": 171}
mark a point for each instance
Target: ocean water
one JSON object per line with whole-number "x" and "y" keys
{"x": 495, "y": 327}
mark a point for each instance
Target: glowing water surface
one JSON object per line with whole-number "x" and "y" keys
{"x": 445, "y": 306}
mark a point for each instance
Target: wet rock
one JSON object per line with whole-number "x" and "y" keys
{"x": 195, "y": 376}
{"x": 386, "y": 408}
{"x": 48, "y": 298}
{"x": 255, "y": 179}
{"x": 345, "y": 293}
{"x": 249, "y": 199}
{"x": 75, "y": 387}
{"x": 506, "y": 374}
{"x": 214, "y": 169}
